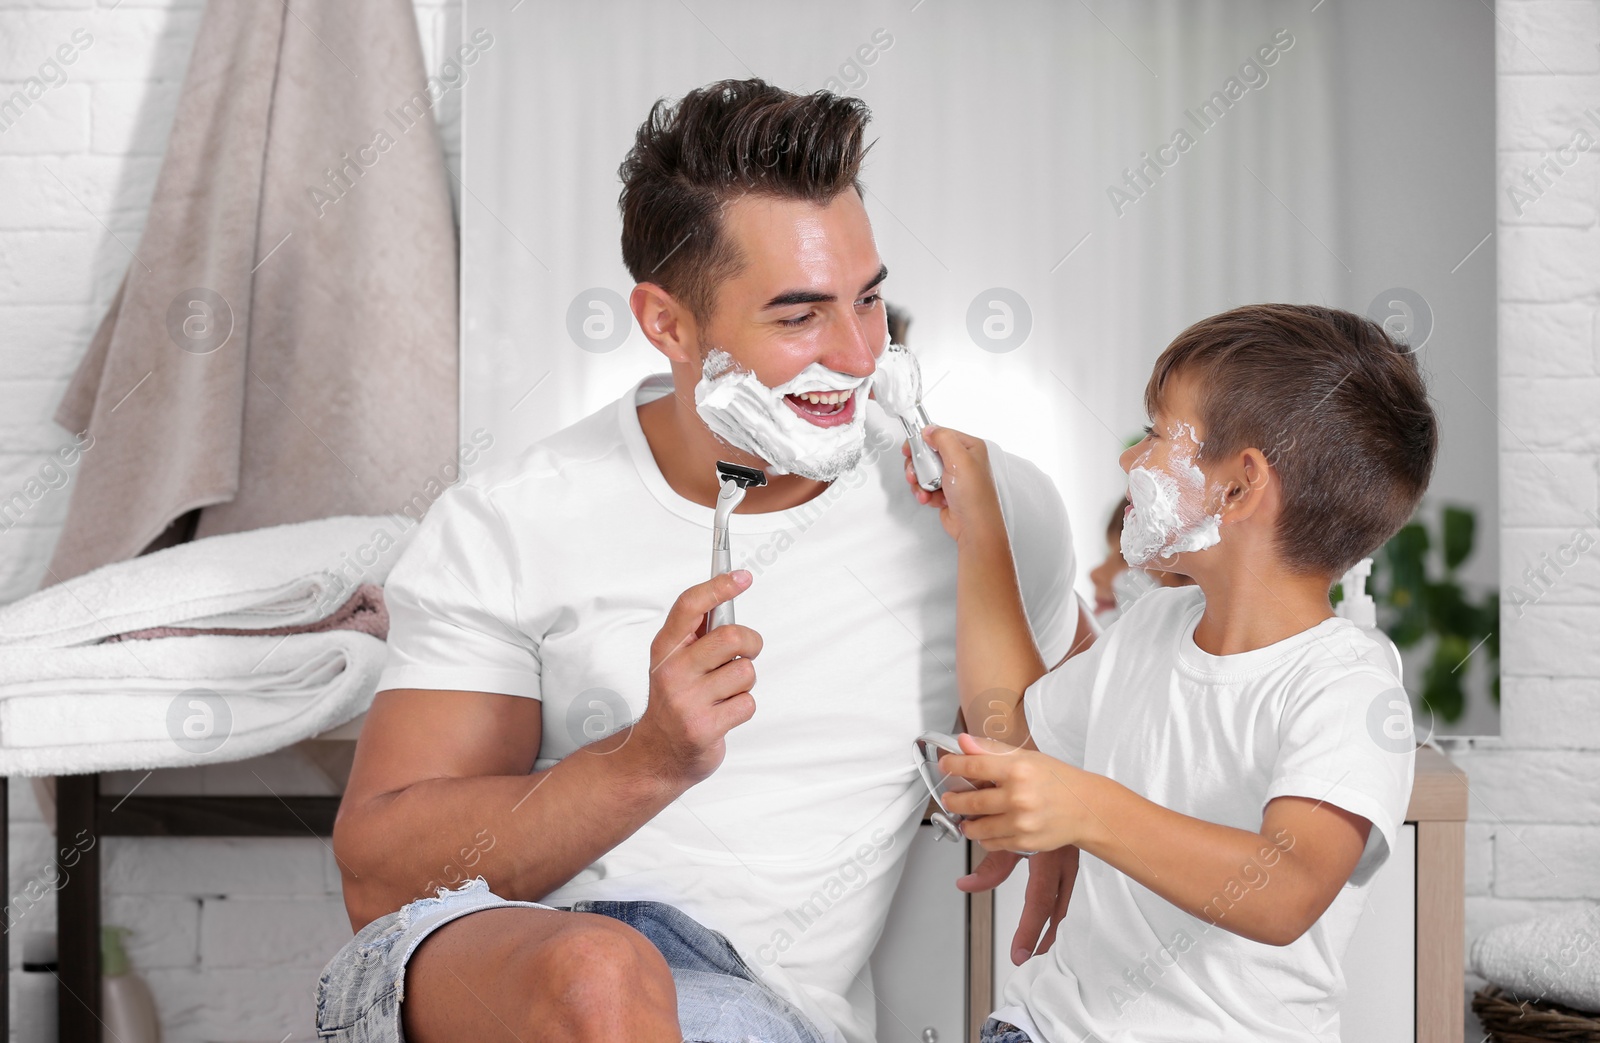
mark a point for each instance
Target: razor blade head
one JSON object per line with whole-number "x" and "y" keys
{"x": 945, "y": 827}
{"x": 897, "y": 382}
{"x": 927, "y": 749}
{"x": 746, "y": 477}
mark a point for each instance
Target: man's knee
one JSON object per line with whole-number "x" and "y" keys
{"x": 542, "y": 975}
{"x": 599, "y": 973}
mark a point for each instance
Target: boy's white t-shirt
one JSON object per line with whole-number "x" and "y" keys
{"x": 1316, "y": 715}
{"x": 548, "y": 576}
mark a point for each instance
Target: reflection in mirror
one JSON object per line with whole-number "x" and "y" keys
{"x": 1058, "y": 191}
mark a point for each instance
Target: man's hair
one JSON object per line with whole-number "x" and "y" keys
{"x": 1339, "y": 409}
{"x": 720, "y": 142}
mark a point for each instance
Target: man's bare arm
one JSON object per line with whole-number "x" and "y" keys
{"x": 440, "y": 790}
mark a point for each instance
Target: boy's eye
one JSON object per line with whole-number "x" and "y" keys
{"x": 869, "y": 301}
{"x": 1149, "y": 431}
{"x": 797, "y": 321}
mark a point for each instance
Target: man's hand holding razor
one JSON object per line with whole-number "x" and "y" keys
{"x": 700, "y": 683}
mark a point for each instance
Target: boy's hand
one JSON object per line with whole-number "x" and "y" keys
{"x": 966, "y": 498}
{"x": 1031, "y": 805}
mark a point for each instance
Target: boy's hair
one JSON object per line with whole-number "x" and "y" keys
{"x": 1338, "y": 407}
{"x": 718, "y": 143}
{"x": 899, "y": 323}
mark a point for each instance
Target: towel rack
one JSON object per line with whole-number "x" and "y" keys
{"x": 80, "y": 806}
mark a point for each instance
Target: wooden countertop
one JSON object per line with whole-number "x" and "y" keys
{"x": 1439, "y": 793}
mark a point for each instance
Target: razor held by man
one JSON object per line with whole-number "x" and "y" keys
{"x": 733, "y": 480}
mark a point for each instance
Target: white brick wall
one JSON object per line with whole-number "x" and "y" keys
{"x": 1534, "y": 821}
{"x": 230, "y": 932}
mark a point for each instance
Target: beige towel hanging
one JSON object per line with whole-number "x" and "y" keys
{"x": 283, "y": 346}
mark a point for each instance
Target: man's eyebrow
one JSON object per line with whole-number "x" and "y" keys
{"x": 814, "y": 297}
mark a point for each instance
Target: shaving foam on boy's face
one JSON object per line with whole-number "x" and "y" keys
{"x": 1168, "y": 494}
{"x": 749, "y": 415}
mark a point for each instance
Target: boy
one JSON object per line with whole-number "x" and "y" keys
{"x": 1223, "y": 755}
{"x": 1116, "y": 585}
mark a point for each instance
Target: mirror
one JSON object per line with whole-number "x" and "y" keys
{"x": 1058, "y": 190}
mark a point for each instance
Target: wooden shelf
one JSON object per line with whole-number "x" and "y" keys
{"x": 1439, "y": 793}
{"x": 1439, "y": 808}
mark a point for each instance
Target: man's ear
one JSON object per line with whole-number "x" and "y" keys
{"x": 665, "y": 323}
{"x": 1245, "y": 485}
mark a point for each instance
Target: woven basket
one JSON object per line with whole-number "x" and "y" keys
{"x": 1532, "y": 1021}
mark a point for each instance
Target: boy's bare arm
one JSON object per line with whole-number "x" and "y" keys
{"x": 996, "y": 658}
{"x": 1268, "y": 886}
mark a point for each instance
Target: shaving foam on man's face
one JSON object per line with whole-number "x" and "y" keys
{"x": 808, "y": 290}
{"x": 812, "y": 425}
{"x": 1168, "y": 494}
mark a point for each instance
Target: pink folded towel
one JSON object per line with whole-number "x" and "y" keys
{"x": 364, "y": 611}
{"x": 294, "y": 360}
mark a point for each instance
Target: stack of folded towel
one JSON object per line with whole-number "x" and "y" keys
{"x": 1553, "y": 958}
{"x": 223, "y": 648}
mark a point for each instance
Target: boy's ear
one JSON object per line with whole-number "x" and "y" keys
{"x": 1244, "y": 485}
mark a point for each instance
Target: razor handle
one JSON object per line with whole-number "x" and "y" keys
{"x": 924, "y": 461}
{"x": 721, "y": 561}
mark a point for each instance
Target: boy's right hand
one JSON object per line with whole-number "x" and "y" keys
{"x": 699, "y": 683}
{"x": 969, "y": 506}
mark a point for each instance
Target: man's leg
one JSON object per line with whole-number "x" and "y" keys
{"x": 538, "y": 976}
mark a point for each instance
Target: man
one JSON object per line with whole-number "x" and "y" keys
{"x": 661, "y": 846}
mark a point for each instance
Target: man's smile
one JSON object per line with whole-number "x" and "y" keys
{"x": 824, "y": 408}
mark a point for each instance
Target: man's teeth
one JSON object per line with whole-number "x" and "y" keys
{"x": 826, "y": 398}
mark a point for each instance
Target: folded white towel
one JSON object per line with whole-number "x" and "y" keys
{"x": 178, "y": 701}
{"x": 283, "y": 575}
{"x": 1553, "y": 958}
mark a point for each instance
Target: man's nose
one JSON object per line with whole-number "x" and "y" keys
{"x": 853, "y": 349}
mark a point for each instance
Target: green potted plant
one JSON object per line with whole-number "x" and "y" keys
{"x": 1421, "y": 600}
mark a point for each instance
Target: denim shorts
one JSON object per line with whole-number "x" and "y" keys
{"x": 720, "y": 999}
{"x": 996, "y": 1031}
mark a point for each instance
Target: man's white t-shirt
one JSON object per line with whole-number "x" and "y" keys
{"x": 548, "y": 576}
{"x": 1317, "y": 715}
